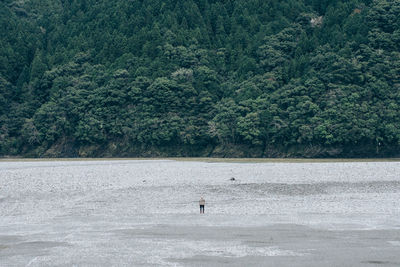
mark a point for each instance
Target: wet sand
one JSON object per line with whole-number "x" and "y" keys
{"x": 145, "y": 213}
{"x": 275, "y": 245}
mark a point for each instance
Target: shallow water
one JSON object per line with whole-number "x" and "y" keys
{"x": 145, "y": 212}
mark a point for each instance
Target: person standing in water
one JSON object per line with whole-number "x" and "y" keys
{"x": 202, "y": 202}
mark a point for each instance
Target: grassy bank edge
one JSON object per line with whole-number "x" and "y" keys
{"x": 213, "y": 160}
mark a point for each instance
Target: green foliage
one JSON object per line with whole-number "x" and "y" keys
{"x": 261, "y": 73}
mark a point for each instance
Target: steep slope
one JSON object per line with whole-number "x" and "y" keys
{"x": 200, "y": 78}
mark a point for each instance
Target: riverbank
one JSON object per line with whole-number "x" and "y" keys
{"x": 211, "y": 159}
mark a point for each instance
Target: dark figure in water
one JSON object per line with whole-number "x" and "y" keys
{"x": 202, "y": 202}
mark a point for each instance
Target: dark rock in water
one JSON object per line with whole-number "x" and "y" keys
{"x": 233, "y": 179}
{"x": 144, "y": 181}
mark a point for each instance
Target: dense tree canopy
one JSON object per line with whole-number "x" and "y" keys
{"x": 200, "y": 78}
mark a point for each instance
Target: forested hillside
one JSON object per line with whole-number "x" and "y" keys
{"x": 230, "y": 78}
